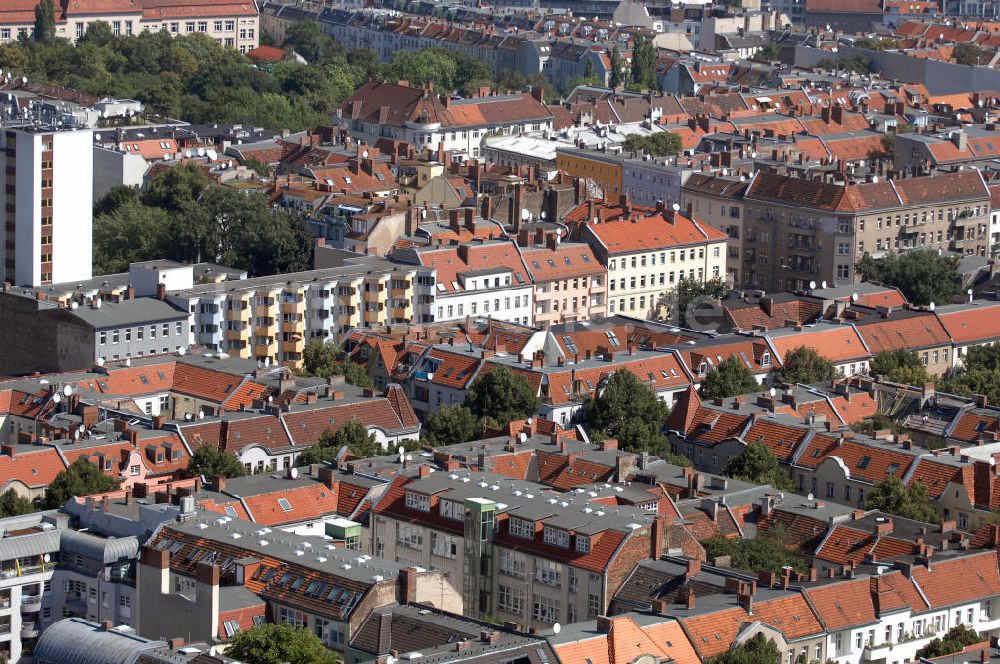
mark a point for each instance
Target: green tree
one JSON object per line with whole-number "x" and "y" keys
{"x": 308, "y": 40}
{"x": 209, "y": 461}
{"x": 758, "y": 649}
{"x": 12, "y": 504}
{"x": 502, "y": 395}
{"x": 320, "y": 359}
{"x": 922, "y": 276}
{"x": 878, "y": 422}
{"x": 690, "y": 293}
{"x": 967, "y": 53}
{"x": 626, "y": 409}
{"x": 979, "y": 374}
{"x": 449, "y": 425}
{"x": 730, "y": 378}
{"x": 617, "y": 68}
{"x": 900, "y": 366}
{"x": 644, "y": 64}
{"x": 131, "y": 232}
{"x": 115, "y": 198}
{"x": 660, "y": 144}
{"x": 760, "y": 554}
{"x": 279, "y": 643}
{"x": 955, "y": 640}
{"x": 176, "y": 188}
{"x": 352, "y": 435}
{"x": 767, "y": 53}
{"x": 805, "y": 365}
{"x": 45, "y": 21}
{"x": 758, "y": 465}
{"x": 82, "y": 478}
{"x": 890, "y": 495}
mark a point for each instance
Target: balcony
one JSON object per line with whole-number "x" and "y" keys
{"x": 31, "y": 603}
{"x": 293, "y": 345}
{"x": 29, "y": 630}
{"x": 236, "y": 314}
{"x": 296, "y": 307}
{"x": 264, "y": 310}
{"x": 291, "y": 326}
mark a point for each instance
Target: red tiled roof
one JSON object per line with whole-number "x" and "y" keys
{"x": 909, "y": 332}
{"x": 959, "y": 580}
{"x": 556, "y": 470}
{"x": 844, "y": 605}
{"x": 972, "y": 324}
{"x": 714, "y": 633}
{"x": 307, "y": 503}
{"x": 781, "y": 439}
{"x": 307, "y": 425}
{"x": 876, "y": 461}
{"x": 495, "y": 254}
{"x": 652, "y": 233}
{"x": 34, "y": 469}
{"x": 840, "y": 343}
{"x": 974, "y": 424}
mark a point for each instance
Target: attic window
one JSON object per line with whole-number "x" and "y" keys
{"x": 612, "y": 338}
{"x": 231, "y": 511}
{"x": 142, "y": 377}
{"x": 284, "y": 504}
{"x": 551, "y": 262}
{"x": 865, "y": 460}
{"x": 892, "y": 468}
{"x": 570, "y": 345}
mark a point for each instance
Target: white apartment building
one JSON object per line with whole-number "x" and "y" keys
{"x": 47, "y": 186}
{"x": 478, "y": 278}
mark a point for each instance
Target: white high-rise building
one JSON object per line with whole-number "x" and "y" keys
{"x": 48, "y": 205}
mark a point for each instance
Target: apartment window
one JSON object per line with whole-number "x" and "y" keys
{"x": 544, "y": 609}
{"x": 452, "y": 510}
{"x": 104, "y": 338}
{"x": 114, "y": 336}
{"x": 79, "y": 31}
{"x": 511, "y": 563}
{"x": 548, "y": 573}
{"x": 583, "y": 544}
{"x": 189, "y": 26}
{"x": 152, "y": 331}
{"x": 116, "y": 28}
{"x": 202, "y": 26}
{"x": 175, "y": 27}
{"x": 510, "y": 599}
{"x": 292, "y": 617}
{"x": 418, "y": 501}
{"x": 445, "y": 546}
{"x": 409, "y": 536}
{"x": 556, "y": 537}
{"x": 829, "y": 490}
{"x": 217, "y": 26}
{"x": 230, "y": 26}
{"x": 5, "y": 32}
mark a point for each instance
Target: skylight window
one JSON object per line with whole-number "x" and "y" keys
{"x": 865, "y": 460}
{"x": 284, "y": 504}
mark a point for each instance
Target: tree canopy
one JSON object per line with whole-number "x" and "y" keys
{"x": 82, "y": 478}
{"x": 955, "y": 640}
{"x": 181, "y": 217}
{"x": 694, "y": 300}
{"x": 922, "y": 275}
{"x": 758, "y": 649}
{"x": 209, "y": 461}
{"x": 449, "y": 425}
{"x": 967, "y": 53}
{"x": 353, "y": 435}
{"x": 900, "y": 366}
{"x": 805, "y": 365}
{"x": 890, "y": 495}
{"x": 320, "y": 359}
{"x": 45, "y": 21}
{"x": 11, "y": 504}
{"x": 628, "y": 411}
{"x": 502, "y": 395}
{"x": 979, "y": 374}
{"x": 279, "y": 643}
{"x": 760, "y": 554}
{"x": 730, "y": 378}
{"x": 660, "y": 144}
{"x": 758, "y": 465}
{"x": 644, "y": 65}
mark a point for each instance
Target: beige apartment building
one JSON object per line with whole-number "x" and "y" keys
{"x": 718, "y": 202}
{"x": 648, "y": 257}
{"x": 793, "y": 231}
{"x": 232, "y": 23}
{"x": 270, "y": 319}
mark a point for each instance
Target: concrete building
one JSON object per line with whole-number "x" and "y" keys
{"x": 48, "y": 201}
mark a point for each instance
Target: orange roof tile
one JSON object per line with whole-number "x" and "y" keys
{"x": 844, "y": 605}
{"x": 972, "y": 324}
{"x": 653, "y": 233}
{"x": 34, "y": 469}
{"x": 959, "y": 580}
{"x": 714, "y": 633}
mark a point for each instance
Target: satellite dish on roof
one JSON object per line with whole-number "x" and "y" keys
{"x": 523, "y": 437}
{"x": 968, "y": 292}
{"x": 854, "y": 296}
{"x": 812, "y": 285}
{"x": 389, "y": 659}
{"x": 932, "y": 306}
{"x": 364, "y": 155}
{"x": 293, "y": 472}
{"x": 82, "y": 429}
{"x": 676, "y": 207}
{"x": 188, "y": 416}
{"x": 400, "y": 450}
{"x": 128, "y": 361}
{"x": 67, "y": 390}
{"x": 556, "y": 628}
{"x": 201, "y": 415}
{"x": 810, "y": 496}
{"x": 823, "y": 285}
{"x": 182, "y": 350}
{"x": 525, "y": 215}
{"x": 56, "y": 398}
{"x": 100, "y": 361}
{"x": 772, "y": 392}
{"x": 542, "y": 214}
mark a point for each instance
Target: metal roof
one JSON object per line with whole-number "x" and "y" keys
{"x": 78, "y": 641}
{"x": 33, "y": 544}
{"x": 99, "y": 548}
